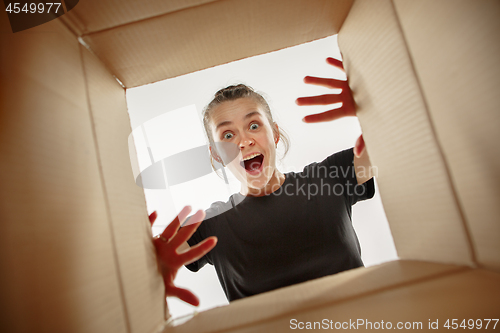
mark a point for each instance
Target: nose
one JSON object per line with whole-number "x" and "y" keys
{"x": 246, "y": 141}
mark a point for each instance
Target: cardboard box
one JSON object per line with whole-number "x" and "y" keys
{"x": 75, "y": 249}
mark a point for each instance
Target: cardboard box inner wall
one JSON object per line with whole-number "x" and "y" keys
{"x": 433, "y": 121}
{"x": 157, "y": 40}
{"x": 72, "y": 258}
{"x": 75, "y": 242}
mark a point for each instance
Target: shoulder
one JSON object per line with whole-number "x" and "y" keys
{"x": 219, "y": 207}
{"x": 336, "y": 162}
{"x": 341, "y": 158}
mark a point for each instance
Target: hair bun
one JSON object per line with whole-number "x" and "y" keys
{"x": 235, "y": 91}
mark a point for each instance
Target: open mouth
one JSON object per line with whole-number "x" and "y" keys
{"x": 254, "y": 163}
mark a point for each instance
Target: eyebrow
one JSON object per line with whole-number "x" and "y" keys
{"x": 227, "y": 122}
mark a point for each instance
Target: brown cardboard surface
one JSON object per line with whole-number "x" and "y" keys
{"x": 455, "y": 47}
{"x": 57, "y": 262}
{"x": 419, "y": 198}
{"x": 313, "y": 296}
{"x": 95, "y": 15}
{"x": 131, "y": 232}
{"x": 75, "y": 249}
{"x": 204, "y": 36}
{"x": 470, "y": 294}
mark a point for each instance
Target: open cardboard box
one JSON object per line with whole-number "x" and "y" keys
{"x": 75, "y": 248}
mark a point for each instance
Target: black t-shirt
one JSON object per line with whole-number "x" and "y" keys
{"x": 300, "y": 232}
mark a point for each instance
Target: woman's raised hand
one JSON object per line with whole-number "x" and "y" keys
{"x": 167, "y": 244}
{"x": 347, "y": 109}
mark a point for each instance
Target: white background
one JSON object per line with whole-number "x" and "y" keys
{"x": 279, "y": 76}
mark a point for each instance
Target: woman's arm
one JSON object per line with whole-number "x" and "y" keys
{"x": 364, "y": 171}
{"x": 362, "y": 165}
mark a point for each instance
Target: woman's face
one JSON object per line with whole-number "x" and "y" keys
{"x": 245, "y": 141}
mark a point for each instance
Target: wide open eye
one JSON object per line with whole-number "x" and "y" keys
{"x": 254, "y": 126}
{"x": 228, "y": 136}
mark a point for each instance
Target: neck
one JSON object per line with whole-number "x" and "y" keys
{"x": 277, "y": 179}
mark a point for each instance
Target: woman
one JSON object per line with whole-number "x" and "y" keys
{"x": 280, "y": 229}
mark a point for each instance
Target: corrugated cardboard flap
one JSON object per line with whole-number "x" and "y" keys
{"x": 58, "y": 264}
{"x": 139, "y": 280}
{"x": 414, "y": 179}
{"x": 183, "y": 41}
{"x": 455, "y": 47}
{"x": 424, "y": 304}
{"x": 314, "y": 295}
{"x": 91, "y": 16}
